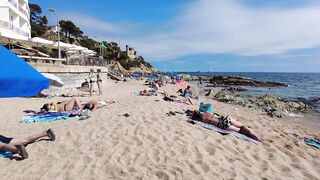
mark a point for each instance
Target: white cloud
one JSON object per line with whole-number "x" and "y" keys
{"x": 222, "y": 26}
{"x": 93, "y": 25}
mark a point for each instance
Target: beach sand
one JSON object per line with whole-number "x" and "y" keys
{"x": 149, "y": 144}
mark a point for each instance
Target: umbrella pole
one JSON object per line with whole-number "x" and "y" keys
{"x": 9, "y": 44}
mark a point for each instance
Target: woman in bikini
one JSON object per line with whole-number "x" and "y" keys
{"x": 224, "y": 122}
{"x": 177, "y": 100}
{"x": 91, "y": 80}
{"x": 99, "y": 81}
{"x": 73, "y": 104}
{"x": 64, "y": 106}
{"x": 17, "y": 145}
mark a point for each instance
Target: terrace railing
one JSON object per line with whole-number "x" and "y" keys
{"x": 23, "y": 11}
{"x": 10, "y": 26}
{"x": 13, "y": 3}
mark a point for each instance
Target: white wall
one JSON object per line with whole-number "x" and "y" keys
{"x": 4, "y": 14}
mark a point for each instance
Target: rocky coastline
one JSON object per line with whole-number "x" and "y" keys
{"x": 225, "y": 89}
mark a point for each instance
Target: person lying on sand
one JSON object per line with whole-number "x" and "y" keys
{"x": 224, "y": 122}
{"x": 17, "y": 145}
{"x": 147, "y": 93}
{"x": 177, "y": 100}
{"x": 73, "y": 104}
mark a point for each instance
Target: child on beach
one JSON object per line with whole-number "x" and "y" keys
{"x": 17, "y": 145}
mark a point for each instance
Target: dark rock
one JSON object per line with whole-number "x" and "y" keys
{"x": 243, "y": 81}
{"x": 273, "y": 106}
{"x": 235, "y": 89}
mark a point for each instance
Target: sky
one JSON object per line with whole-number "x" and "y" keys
{"x": 194, "y": 35}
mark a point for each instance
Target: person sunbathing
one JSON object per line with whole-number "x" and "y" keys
{"x": 177, "y": 100}
{"x": 224, "y": 122}
{"x": 17, "y": 145}
{"x": 147, "y": 93}
{"x": 73, "y": 104}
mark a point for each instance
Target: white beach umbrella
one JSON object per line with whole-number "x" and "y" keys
{"x": 54, "y": 80}
{"x": 63, "y": 45}
{"x": 78, "y": 48}
{"x": 41, "y": 41}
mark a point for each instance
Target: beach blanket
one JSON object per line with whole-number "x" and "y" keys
{"x": 45, "y": 117}
{"x": 5, "y": 154}
{"x": 223, "y": 131}
{"x": 312, "y": 142}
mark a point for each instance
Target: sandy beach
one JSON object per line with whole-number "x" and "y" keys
{"x": 149, "y": 144}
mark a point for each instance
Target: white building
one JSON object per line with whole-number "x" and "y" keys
{"x": 14, "y": 19}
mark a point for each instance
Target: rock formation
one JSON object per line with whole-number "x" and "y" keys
{"x": 242, "y": 81}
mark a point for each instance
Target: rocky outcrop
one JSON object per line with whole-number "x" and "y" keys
{"x": 276, "y": 107}
{"x": 273, "y": 106}
{"x": 235, "y": 89}
{"x": 142, "y": 68}
{"x": 116, "y": 66}
{"x": 243, "y": 81}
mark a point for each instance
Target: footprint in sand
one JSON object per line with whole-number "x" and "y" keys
{"x": 211, "y": 150}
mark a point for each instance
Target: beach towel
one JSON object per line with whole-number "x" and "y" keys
{"x": 180, "y": 103}
{"x": 45, "y": 117}
{"x": 5, "y": 154}
{"x": 135, "y": 93}
{"x": 183, "y": 83}
{"x": 223, "y": 131}
{"x": 312, "y": 142}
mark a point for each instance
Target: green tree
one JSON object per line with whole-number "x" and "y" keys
{"x": 38, "y": 22}
{"x": 89, "y": 43}
{"x": 70, "y": 29}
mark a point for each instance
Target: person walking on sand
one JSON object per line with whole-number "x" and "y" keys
{"x": 99, "y": 81}
{"x": 91, "y": 80}
{"x": 17, "y": 145}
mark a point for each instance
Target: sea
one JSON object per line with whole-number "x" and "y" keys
{"x": 301, "y": 86}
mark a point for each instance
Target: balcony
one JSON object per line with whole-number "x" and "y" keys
{"x": 23, "y": 11}
{"x": 10, "y": 26}
{"x": 13, "y": 3}
{"x": 19, "y": 7}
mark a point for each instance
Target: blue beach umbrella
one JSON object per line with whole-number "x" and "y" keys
{"x": 18, "y": 78}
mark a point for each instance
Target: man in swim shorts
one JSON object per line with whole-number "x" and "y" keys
{"x": 17, "y": 145}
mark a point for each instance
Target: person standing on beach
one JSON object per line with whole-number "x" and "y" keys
{"x": 91, "y": 80}
{"x": 17, "y": 145}
{"x": 99, "y": 81}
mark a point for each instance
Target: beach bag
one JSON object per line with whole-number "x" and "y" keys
{"x": 205, "y": 107}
